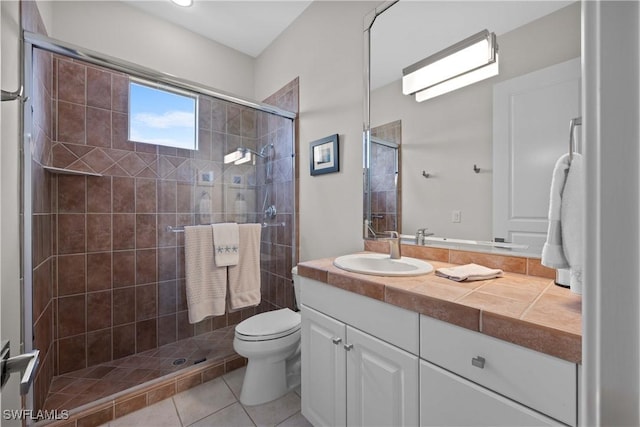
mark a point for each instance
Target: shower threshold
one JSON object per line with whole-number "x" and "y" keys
{"x": 120, "y": 386}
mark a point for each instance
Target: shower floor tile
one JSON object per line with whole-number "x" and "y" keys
{"x": 77, "y": 388}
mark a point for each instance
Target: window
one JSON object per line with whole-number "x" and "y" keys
{"x": 162, "y": 115}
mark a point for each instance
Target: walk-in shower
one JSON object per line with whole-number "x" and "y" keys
{"x": 104, "y": 265}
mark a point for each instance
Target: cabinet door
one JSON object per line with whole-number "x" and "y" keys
{"x": 447, "y": 399}
{"x": 382, "y": 383}
{"x": 323, "y": 369}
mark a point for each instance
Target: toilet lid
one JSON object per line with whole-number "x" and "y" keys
{"x": 269, "y": 325}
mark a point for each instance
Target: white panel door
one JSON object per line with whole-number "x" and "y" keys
{"x": 323, "y": 369}
{"x": 531, "y": 115}
{"x": 382, "y": 383}
{"x": 447, "y": 399}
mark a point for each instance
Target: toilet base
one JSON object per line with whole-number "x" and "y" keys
{"x": 266, "y": 380}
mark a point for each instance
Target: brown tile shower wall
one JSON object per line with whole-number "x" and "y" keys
{"x": 120, "y": 273}
{"x": 384, "y": 204}
{"x": 279, "y": 188}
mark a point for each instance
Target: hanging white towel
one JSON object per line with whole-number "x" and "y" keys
{"x": 553, "y": 252}
{"x": 572, "y": 218}
{"x": 244, "y": 277}
{"x": 226, "y": 243}
{"x": 206, "y": 284}
{"x": 468, "y": 272}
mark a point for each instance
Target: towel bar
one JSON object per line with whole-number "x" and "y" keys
{"x": 572, "y": 139}
{"x": 180, "y": 228}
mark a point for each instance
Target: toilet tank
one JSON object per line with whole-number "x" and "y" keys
{"x": 296, "y": 285}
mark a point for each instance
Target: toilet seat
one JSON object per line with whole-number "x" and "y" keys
{"x": 270, "y": 325}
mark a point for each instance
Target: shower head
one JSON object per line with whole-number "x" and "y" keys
{"x": 264, "y": 147}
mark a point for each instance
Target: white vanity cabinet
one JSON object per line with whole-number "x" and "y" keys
{"x": 468, "y": 378}
{"x": 369, "y": 363}
{"x": 350, "y": 377}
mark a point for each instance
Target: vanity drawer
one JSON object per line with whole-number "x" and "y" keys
{"x": 537, "y": 380}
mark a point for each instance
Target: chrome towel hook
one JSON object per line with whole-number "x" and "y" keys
{"x": 476, "y": 169}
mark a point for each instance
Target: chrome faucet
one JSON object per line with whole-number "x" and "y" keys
{"x": 421, "y": 234}
{"x": 394, "y": 245}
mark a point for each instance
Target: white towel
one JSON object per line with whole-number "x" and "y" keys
{"x": 244, "y": 277}
{"x": 206, "y": 283}
{"x": 572, "y": 217}
{"x": 552, "y": 252}
{"x": 468, "y": 272}
{"x": 226, "y": 243}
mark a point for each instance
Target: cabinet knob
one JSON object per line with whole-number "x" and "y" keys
{"x": 348, "y": 347}
{"x": 478, "y": 362}
{"x": 337, "y": 340}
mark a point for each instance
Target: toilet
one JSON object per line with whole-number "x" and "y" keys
{"x": 271, "y": 343}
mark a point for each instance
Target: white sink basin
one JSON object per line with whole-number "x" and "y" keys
{"x": 382, "y": 265}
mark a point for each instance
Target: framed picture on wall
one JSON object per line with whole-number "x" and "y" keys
{"x": 324, "y": 155}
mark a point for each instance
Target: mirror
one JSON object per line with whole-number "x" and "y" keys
{"x": 461, "y": 175}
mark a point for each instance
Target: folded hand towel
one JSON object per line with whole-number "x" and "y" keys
{"x": 571, "y": 216}
{"x": 244, "y": 277}
{"x": 206, "y": 284}
{"x": 226, "y": 243}
{"x": 468, "y": 272}
{"x": 552, "y": 252}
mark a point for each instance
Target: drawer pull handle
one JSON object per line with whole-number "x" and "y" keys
{"x": 348, "y": 347}
{"x": 478, "y": 362}
{"x": 336, "y": 341}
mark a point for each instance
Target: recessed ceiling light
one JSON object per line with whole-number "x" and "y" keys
{"x": 183, "y": 3}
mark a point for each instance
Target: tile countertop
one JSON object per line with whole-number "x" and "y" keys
{"x": 526, "y": 310}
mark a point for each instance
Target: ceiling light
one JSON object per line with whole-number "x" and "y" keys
{"x": 466, "y": 62}
{"x": 183, "y": 3}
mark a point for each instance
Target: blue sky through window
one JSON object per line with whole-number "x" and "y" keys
{"x": 162, "y": 117}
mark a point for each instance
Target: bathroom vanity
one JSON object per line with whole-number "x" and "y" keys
{"x": 427, "y": 351}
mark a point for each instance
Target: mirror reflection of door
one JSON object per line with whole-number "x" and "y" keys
{"x": 385, "y": 177}
{"x": 531, "y": 115}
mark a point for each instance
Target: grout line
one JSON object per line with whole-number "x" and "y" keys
{"x": 247, "y": 412}
{"x": 176, "y": 409}
{"x": 530, "y": 306}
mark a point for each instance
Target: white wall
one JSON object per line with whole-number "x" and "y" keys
{"x": 447, "y": 135}
{"x": 10, "y": 205}
{"x": 122, "y": 31}
{"x": 46, "y": 13}
{"x": 324, "y": 47}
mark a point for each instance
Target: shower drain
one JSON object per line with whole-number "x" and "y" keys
{"x": 179, "y": 362}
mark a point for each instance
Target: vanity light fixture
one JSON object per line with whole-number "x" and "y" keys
{"x": 234, "y": 156}
{"x": 469, "y": 61}
{"x": 183, "y": 3}
{"x": 244, "y": 159}
{"x": 241, "y": 155}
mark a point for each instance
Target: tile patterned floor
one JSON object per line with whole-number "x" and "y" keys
{"x": 77, "y": 388}
{"x": 215, "y": 403}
